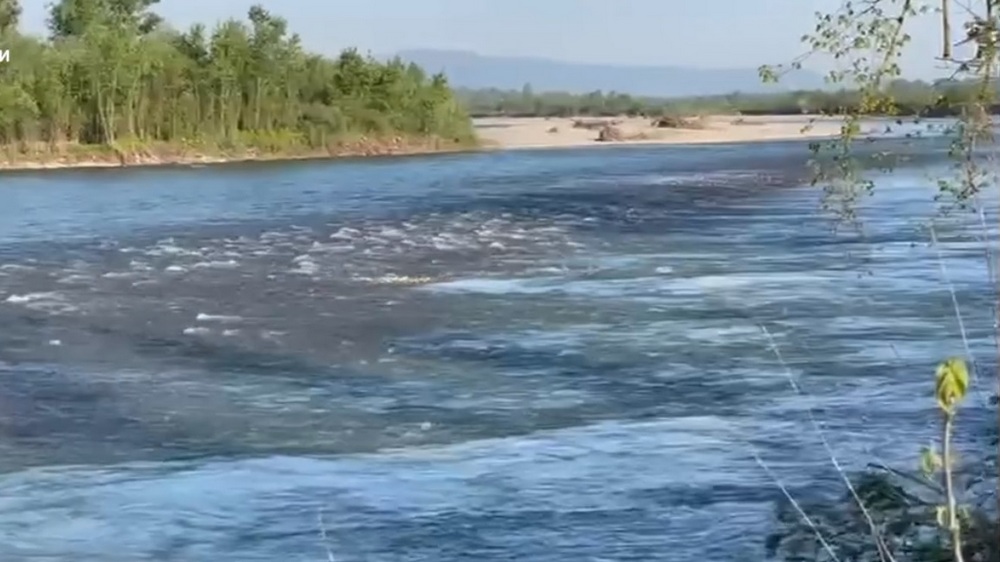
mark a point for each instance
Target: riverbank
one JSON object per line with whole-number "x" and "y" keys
{"x": 501, "y": 133}
{"x": 71, "y": 155}
{"x": 540, "y": 132}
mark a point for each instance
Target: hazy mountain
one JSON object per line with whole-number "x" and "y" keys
{"x": 470, "y": 70}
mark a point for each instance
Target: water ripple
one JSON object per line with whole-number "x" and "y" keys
{"x": 534, "y": 356}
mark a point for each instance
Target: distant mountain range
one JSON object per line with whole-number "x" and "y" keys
{"x": 470, "y": 70}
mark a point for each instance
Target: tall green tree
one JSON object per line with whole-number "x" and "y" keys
{"x": 71, "y": 18}
{"x": 110, "y": 74}
{"x": 10, "y": 14}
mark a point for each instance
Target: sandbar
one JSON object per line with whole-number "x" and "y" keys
{"x": 559, "y": 132}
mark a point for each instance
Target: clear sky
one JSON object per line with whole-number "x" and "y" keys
{"x": 698, "y": 33}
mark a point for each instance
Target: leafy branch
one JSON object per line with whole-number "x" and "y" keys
{"x": 865, "y": 39}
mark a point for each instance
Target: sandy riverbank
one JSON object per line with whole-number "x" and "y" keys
{"x": 538, "y": 132}
{"x": 494, "y": 133}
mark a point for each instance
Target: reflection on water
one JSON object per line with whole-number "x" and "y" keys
{"x": 551, "y": 356}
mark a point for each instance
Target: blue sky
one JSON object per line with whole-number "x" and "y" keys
{"x": 720, "y": 33}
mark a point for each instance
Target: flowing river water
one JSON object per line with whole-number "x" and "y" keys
{"x": 540, "y": 356}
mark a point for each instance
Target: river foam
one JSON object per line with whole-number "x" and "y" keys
{"x": 546, "y": 357}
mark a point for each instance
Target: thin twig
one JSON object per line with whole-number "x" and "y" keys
{"x": 946, "y": 31}
{"x": 954, "y": 304}
{"x": 949, "y": 485}
{"x": 884, "y": 554}
{"x": 788, "y": 495}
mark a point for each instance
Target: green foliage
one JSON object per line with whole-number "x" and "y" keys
{"x": 947, "y": 511}
{"x": 911, "y": 511}
{"x": 951, "y": 384}
{"x": 916, "y": 98}
{"x": 905, "y": 510}
{"x": 112, "y": 74}
{"x": 10, "y": 13}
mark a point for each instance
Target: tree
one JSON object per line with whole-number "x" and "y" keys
{"x": 10, "y": 14}
{"x": 110, "y": 77}
{"x": 71, "y": 18}
{"x": 941, "y": 98}
{"x": 891, "y": 514}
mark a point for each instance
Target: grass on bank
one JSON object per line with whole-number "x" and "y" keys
{"x": 287, "y": 145}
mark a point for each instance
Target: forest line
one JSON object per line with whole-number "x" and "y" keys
{"x": 113, "y": 78}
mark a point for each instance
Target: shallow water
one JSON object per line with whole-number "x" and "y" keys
{"x": 537, "y": 356}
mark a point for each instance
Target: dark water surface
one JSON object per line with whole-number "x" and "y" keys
{"x": 544, "y": 356}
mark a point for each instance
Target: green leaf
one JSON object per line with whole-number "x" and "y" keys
{"x": 930, "y": 462}
{"x": 952, "y": 383}
{"x": 941, "y": 515}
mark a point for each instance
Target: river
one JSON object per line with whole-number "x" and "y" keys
{"x": 541, "y": 355}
